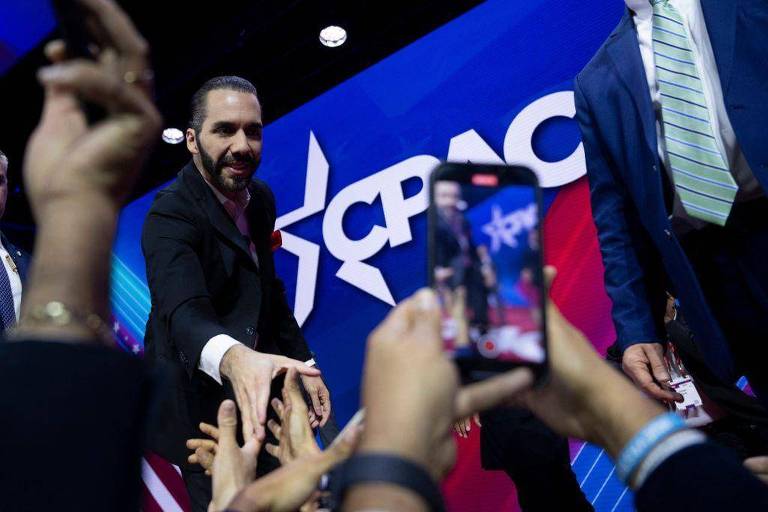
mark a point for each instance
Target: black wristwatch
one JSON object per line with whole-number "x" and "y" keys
{"x": 386, "y": 469}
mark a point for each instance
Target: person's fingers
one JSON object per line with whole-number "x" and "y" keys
{"x": 492, "y": 392}
{"x": 118, "y": 28}
{"x": 275, "y": 428}
{"x": 250, "y": 450}
{"x": 277, "y": 406}
{"x": 61, "y": 107}
{"x": 193, "y": 443}
{"x": 273, "y": 450}
{"x": 462, "y": 429}
{"x": 758, "y": 466}
{"x": 261, "y": 390}
{"x": 655, "y": 355}
{"x": 204, "y": 457}
{"x": 243, "y": 403}
{"x": 227, "y": 421}
{"x": 641, "y": 374}
{"x": 94, "y": 84}
{"x": 56, "y": 51}
{"x": 303, "y": 369}
{"x": 325, "y": 401}
{"x": 425, "y": 319}
{"x": 209, "y": 430}
{"x": 312, "y": 418}
{"x": 317, "y": 407}
{"x": 467, "y": 426}
{"x": 291, "y": 384}
{"x": 476, "y": 419}
{"x": 192, "y": 459}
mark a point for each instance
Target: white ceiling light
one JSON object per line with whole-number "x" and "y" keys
{"x": 333, "y": 36}
{"x": 173, "y": 136}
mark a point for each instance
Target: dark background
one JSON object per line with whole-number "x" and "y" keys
{"x": 273, "y": 43}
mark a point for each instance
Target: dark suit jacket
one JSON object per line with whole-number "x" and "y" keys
{"x": 95, "y": 398}
{"x": 626, "y": 178}
{"x": 19, "y": 256}
{"x": 204, "y": 282}
{"x": 702, "y": 478}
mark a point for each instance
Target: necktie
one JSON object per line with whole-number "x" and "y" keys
{"x": 702, "y": 179}
{"x": 7, "y": 311}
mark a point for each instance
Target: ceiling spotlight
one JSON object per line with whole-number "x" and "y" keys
{"x": 333, "y": 36}
{"x": 173, "y": 136}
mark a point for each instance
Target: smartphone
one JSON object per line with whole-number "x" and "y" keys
{"x": 73, "y": 25}
{"x": 485, "y": 264}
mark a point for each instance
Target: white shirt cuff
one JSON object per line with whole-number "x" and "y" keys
{"x": 212, "y": 354}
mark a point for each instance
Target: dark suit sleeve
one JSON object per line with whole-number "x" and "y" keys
{"x": 176, "y": 280}
{"x": 290, "y": 338}
{"x": 703, "y": 477}
{"x": 618, "y": 233}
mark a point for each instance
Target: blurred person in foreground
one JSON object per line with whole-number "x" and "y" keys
{"x": 219, "y": 321}
{"x": 15, "y": 263}
{"x": 74, "y": 407}
{"x": 407, "y": 446}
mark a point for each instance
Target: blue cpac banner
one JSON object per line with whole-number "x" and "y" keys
{"x": 349, "y": 167}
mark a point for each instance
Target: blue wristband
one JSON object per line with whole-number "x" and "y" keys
{"x": 649, "y": 436}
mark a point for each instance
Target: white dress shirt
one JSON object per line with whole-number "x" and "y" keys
{"x": 13, "y": 277}
{"x": 693, "y": 18}
{"x": 214, "y": 350}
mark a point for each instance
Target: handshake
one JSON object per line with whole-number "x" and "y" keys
{"x": 412, "y": 397}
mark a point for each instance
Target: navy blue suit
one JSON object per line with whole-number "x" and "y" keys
{"x": 19, "y": 256}
{"x": 642, "y": 255}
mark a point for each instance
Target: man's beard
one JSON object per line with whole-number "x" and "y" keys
{"x": 231, "y": 184}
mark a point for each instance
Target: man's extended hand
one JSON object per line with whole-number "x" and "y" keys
{"x": 644, "y": 364}
{"x": 321, "y": 399}
{"x": 251, "y": 375}
{"x": 234, "y": 467}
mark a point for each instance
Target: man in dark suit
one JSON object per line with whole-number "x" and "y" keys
{"x": 672, "y": 111}
{"x": 219, "y": 317}
{"x": 15, "y": 263}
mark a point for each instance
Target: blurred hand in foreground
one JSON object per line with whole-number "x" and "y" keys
{"x": 66, "y": 158}
{"x": 234, "y": 466}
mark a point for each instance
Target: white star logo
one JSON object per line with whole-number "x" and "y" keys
{"x": 504, "y": 229}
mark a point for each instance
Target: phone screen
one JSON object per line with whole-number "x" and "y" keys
{"x": 486, "y": 269}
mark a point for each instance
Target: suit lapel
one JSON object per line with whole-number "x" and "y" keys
{"x": 624, "y": 50}
{"x": 720, "y": 17}
{"x": 220, "y": 219}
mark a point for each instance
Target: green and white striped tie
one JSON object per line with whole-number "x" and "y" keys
{"x": 702, "y": 179}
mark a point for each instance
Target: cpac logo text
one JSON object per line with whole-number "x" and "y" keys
{"x": 398, "y": 209}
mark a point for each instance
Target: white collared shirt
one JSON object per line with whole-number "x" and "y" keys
{"x": 693, "y": 18}
{"x": 13, "y": 277}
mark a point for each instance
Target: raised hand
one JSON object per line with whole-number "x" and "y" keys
{"x": 251, "y": 375}
{"x": 293, "y": 433}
